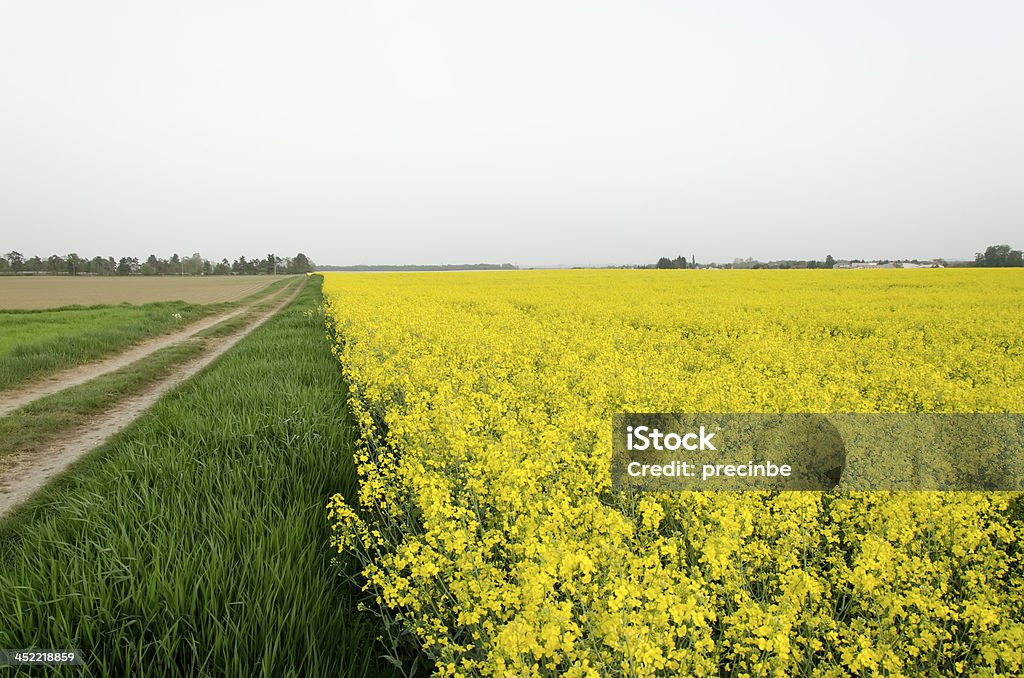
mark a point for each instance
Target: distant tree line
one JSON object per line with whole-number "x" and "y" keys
{"x": 680, "y": 262}
{"x": 421, "y": 267}
{"x": 999, "y": 256}
{"x": 73, "y": 264}
{"x": 828, "y": 262}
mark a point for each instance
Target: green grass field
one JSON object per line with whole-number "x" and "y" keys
{"x": 195, "y": 542}
{"x": 49, "y": 417}
{"x": 34, "y": 343}
{"x": 38, "y": 342}
{"x": 33, "y": 425}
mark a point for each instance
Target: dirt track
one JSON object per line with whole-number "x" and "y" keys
{"x": 80, "y": 374}
{"x": 24, "y": 474}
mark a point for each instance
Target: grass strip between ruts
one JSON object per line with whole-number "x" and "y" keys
{"x": 47, "y": 418}
{"x": 37, "y": 342}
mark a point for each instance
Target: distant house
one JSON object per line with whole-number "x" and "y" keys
{"x": 843, "y": 263}
{"x": 919, "y": 264}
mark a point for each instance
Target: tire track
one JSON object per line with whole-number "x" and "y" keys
{"x": 23, "y": 474}
{"x": 58, "y": 381}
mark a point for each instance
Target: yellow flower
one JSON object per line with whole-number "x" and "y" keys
{"x": 487, "y": 527}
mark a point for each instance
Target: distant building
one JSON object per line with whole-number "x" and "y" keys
{"x": 843, "y": 263}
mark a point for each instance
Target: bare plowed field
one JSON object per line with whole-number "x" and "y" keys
{"x": 31, "y": 292}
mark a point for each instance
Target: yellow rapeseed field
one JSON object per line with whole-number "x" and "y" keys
{"x": 492, "y": 542}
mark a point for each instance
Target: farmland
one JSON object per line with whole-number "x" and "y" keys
{"x": 38, "y": 292}
{"x": 194, "y": 542}
{"x": 412, "y": 469}
{"x": 488, "y": 534}
{"x": 37, "y": 342}
{"x": 72, "y": 405}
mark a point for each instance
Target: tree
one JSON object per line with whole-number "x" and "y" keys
{"x": 128, "y": 266}
{"x": 151, "y": 267}
{"x": 16, "y": 260}
{"x": 830, "y": 262}
{"x": 99, "y": 266}
{"x": 195, "y": 264}
{"x": 55, "y": 264}
{"x": 75, "y": 263}
{"x": 301, "y": 264}
{"x": 192, "y": 265}
{"x": 665, "y": 262}
{"x": 999, "y": 256}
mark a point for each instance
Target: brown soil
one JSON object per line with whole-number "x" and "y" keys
{"x": 49, "y": 291}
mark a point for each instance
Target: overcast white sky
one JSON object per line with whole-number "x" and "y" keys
{"x": 538, "y": 133}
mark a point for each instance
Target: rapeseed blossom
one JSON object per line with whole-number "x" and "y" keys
{"x": 490, "y": 538}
